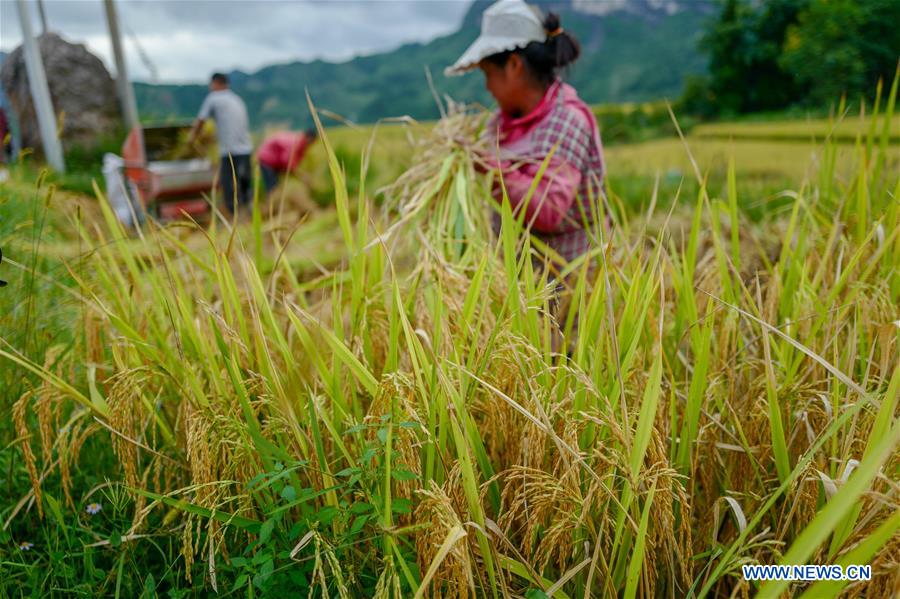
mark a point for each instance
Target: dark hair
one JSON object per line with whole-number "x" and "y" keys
{"x": 311, "y": 134}
{"x": 544, "y": 60}
{"x": 220, "y": 78}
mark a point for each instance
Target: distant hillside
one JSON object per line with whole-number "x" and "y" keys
{"x": 632, "y": 50}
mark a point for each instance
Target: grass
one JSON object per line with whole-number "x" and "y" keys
{"x": 403, "y": 424}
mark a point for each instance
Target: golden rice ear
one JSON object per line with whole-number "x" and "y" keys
{"x": 125, "y": 414}
{"x": 453, "y": 576}
{"x": 43, "y": 409}
{"x": 187, "y": 546}
{"x": 24, "y": 433}
{"x": 327, "y": 573}
{"x": 388, "y": 585}
{"x": 546, "y": 510}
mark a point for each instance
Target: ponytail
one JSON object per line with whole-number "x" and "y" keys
{"x": 561, "y": 44}
{"x": 545, "y": 60}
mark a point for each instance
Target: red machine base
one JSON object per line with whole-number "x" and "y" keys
{"x": 176, "y": 209}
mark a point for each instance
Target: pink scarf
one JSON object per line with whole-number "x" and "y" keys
{"x": 514, "y": 129}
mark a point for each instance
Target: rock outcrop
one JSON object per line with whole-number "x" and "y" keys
{"x": 82, "y": 91}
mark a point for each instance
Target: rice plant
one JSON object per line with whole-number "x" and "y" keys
{"x": 405, "y": 422}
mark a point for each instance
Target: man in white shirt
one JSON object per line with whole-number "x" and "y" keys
{"x": 233, "y": 132}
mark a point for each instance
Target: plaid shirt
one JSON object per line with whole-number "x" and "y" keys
{"x": 566, "y": 202}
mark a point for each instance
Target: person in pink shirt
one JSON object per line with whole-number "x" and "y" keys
{"x": 5, "y": 138}
{"x": 280, "y": 153}
{"x": 522, "y": 55}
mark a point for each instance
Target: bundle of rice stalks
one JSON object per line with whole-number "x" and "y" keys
{"x": 440, "y": 198}
{"x": 203, "y": 146}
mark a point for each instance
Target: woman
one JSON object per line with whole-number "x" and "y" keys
{"x": 521, "y": 56}
{"x": 281, "y": 153}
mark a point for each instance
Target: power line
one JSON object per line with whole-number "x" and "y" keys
{"x": 145, "y": 58}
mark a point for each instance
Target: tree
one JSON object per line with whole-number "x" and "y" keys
{"x": 880, "y": 40}
{"x": 772, "y": 54}
{"x": 745, "y": 46}
{"x": 823, "y": 51}
{"x": 728, "y": 42}
{"x": 770, "y": 87}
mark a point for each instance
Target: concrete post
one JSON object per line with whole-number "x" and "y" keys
{"x": 40, "y": 93}
{"x": 126, "y": 91}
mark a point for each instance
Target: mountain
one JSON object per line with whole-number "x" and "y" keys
{"x": 632, "y": 50}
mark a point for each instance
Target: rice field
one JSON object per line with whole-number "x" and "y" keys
{"x": 768, "y": 156}
{"x": 846, "y": 129}
{"x": 382, "y": 398}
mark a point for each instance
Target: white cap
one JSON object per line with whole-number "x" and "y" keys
{"x": 505, "y": 25}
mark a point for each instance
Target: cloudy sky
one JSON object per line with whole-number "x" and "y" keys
{"x": 185, "y": 40}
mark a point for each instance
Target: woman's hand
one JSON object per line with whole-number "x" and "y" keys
{"x": 461, "y": 141}
{"x": 485, "y": 162}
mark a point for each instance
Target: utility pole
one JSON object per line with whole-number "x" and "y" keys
{"x": 43, "y": 16}
{"x": 126, "y": 91}
{"x": 40, "y": 93}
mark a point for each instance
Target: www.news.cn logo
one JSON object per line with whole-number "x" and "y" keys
{"x": 807, "y": 572}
